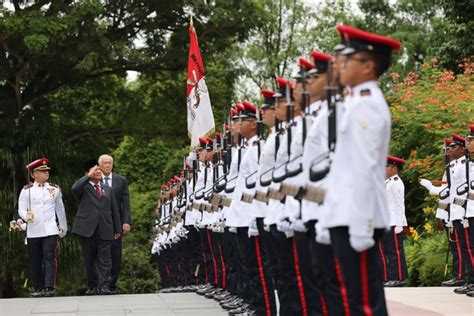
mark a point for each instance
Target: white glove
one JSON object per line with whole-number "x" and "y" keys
{"x": 398, "y": 229}
{"x": 233, "y": 230}
{"x": 360, "y": 244}
{"x": 62, "y": 233}
{"x": 427, "y": 184}
{"x": 322, "y": 234}
{"x": 252, "y": 232}
{"x": 298, "y": 226}
{"x": 284, "y": 225}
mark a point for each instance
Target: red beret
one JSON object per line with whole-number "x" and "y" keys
{"x": 281, "y": 82}
{"x": 239, "y": 107}
{"x": 40, "y": 164}
{"x": 209, "y": 140}
{"x": 267, "y": 93}
{"x": 202, "y": 141}
{"x": 367, "y": 41}
{"x": 458, "y": 139}
{"x": 233, "y": 112}
{"x": 217, "y": 135}
{"x": 249, "y": 106}
{"x": 471, "y": 130}
{"x": 447, "y": 142}
{"x": 305, "y": 64}
{"x": 395, "y": 159}
{"x": 318, "y": 56}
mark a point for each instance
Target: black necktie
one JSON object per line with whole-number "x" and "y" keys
{"x": 107, "y": 181}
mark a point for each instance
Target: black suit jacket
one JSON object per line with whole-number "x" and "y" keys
{"x": 120, "y": 188}
{"x": 95, "y": 213}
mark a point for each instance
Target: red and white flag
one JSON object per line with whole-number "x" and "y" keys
{"x": 200, "y": 117}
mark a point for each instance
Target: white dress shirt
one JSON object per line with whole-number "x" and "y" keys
{"x": 458, "y": 177}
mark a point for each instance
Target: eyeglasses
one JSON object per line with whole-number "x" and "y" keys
{"x": 350, "y": 57}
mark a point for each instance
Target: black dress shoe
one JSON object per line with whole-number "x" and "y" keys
{"x": 453, "y": 282}
{"x": 91, "y": 291}
{"x": 104, "y": 291}
{"x": 231, "y": 300}
{"x": 37, "y": 294}
{"x": 464, "y": 289}
{"x": 222, "y": 297}
{"x": 48, "y": 292}
{"x": 242, "y": 312}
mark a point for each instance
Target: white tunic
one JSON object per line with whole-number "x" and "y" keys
{"x": 356, "y": 183}
{"x": 470, "y": 203}
{"x": 46, "y": 203}
{"x": 396, "y": 201}
{"x": 240, "y": 213}
{"x": 458, "y": 177}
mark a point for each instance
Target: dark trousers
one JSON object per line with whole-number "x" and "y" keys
{"x": 97, "y": 260}
{"x": 215, "y": 239}
{"x": 116, "y": 255}
{"x": 208, "y": 256}
{"x": 394, "y": 265}
{"x": 286, "y": 283}
{"x": 42, "y": 251}
{"x": 361, "y": 273}
{"x": 457, "y": 270}
{"x": 310, "y": 292}
{"x": 228, "y": 252}
{"x": 328, "y": 277}
{"x": 462, "y": 236}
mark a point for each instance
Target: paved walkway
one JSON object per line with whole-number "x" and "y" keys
{"x": 401, "y": 302}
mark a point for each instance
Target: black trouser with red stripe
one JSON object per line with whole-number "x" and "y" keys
{"x": 265, "y": 276}
{"x": 253, "y": 293}
{"x": 323, "y": 266}
{"x": 287, "y": 286}
{"x": 313, "y": 298}
{"x": 462, "y": 234}
{"x": 209, "y": 261}
{"x": 229, "y": 253}
{"x": 193, "y": 257}
{"x": 361, "y": 273}
{"x": 457, "y": 271}
{"x": 43, "y": 260}
{"x": 395, "y": 263}
{"x": 216, "y": 241}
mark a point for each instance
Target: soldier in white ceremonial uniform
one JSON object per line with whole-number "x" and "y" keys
{"x": 442, "y": 215}
{"x": 457, "y": 213}
{"x": 258, "y": 293}
{"x": 316, "y": 157}
{"x": 40, "y": 205}
{"x": 391, "y": 248}
{"x": 291, "y": 301}
{"x": 356, "y": 198}
{"x": 470, "y": 188}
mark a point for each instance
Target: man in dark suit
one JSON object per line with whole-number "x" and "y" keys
{"x": 97, "y": 223}
{"x": 119, "y": 186}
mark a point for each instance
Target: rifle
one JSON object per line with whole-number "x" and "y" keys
{"x": 445, "y": 192}
{"x": 331, "y": 101}
{"x": 464, "y": 188}
{"x": 290, "y": 124}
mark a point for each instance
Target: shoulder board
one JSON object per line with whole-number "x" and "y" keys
{"x": 365, "y": 92}
{"x": 27, "y": 186}
{"x": 54, "y": 185}
{"x": 395, "y": 178}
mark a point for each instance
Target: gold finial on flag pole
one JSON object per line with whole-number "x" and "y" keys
{"x": 191, "y": 24}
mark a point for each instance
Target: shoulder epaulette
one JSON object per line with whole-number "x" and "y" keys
{"x": 27, "y": 186}
{"x": 54, "y": 185}
{"x": 365, "y": 92}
